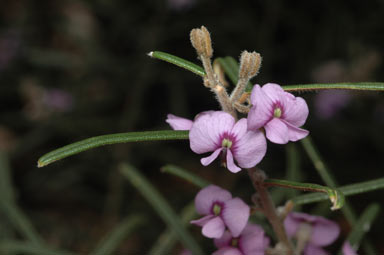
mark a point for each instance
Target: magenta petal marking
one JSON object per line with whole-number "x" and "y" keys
{"x": 276, "y": 131}
{"x": 178, "y": 123}
{"x": 235, "y": 215}
{"x": 214, "y": 228}
{"x": 208, "y": 160}
{"x": 206, "y": 197}
{"x": 231, "y": 164}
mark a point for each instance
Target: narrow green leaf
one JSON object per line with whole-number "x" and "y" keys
{"x": 19, "y": 247}
{"x": 161, "y": 206}
{"x": 102, "y": 140}
{"x": 185, "y": 174}
{"x": 231, "y": 69}
{"x": 6, "y": 190}
{"x": 372, "y": 86}
{"x": 347, "y": 190}
{"x": 168, "y": 238}
{"x": 178, "y": 61}
{"x": 113, "y": 239}
{"x": 363, "y": 225}
{"x": 336, "y": 197}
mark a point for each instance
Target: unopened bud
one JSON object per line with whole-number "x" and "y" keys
{"x": 201, "y": 41}
{"x": 249, "y": 64}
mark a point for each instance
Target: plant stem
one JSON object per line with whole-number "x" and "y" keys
{"x": 258, "y": 176}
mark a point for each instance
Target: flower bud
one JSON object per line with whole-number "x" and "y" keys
{"x": 249, "y": 64}
{"x": 201, "y": 41}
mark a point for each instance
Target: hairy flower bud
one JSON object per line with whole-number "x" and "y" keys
{"x": 201, "y": 41}
{"x": 250, "y": 63}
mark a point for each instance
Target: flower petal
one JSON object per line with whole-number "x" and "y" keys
{"x": 295, "y": 133}
{"x": 224, "y": 240}
{"x": 275, "y": 92}
{"x": 253, "y": 240}
{"x": 203, "y": 220}
{"x": 207, "y": 129}
{"x": 291, "y": 224}
{"x": 295, "y": 111}
{"x": 262, "y": 109}
{"x": 314, "y": 250}
{"x": 277, "y": 131}
{"x": 324, "y": 232}
{"x": 214, "y": 228}
{"x": 208, "y": 160}
{"x": 250, "y": 148}
{"x": 231, "y": 164}
{"x": 347, "y": 249}
{"x": 235, "y": 215}
{"x": 206, "y": 197}
{"x": 228, "y": 251}
{"x": 178, "y": 123}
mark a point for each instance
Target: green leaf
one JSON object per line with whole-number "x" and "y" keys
{"x": 185, "y": 174}
{"x": 98, "y": 141}
{"x": 178, "y": 61}
{"x": 161, "y": 206}
{"x": 373, "y": 86}
{"x": 19, "y": 247}
{"x": 347, "y": 190}
{"x": 113, "y": 239}
{"x": 336, "y": 197}
{"x": 168, "y": 238}
{"x": 363, "y": 225}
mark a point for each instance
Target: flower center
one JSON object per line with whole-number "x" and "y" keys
{"x": 226, "y": 143}
{"x": 216, "y": 209}
{"x": 234, "y": 242}
{"x": 277, "y": 112}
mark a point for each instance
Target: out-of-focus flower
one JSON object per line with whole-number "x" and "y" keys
{"x": 218, "y": 132}
{"x": 221, "y": 211}
{"x": 329, "y": 102}
{"x": 311, "y": 232}
{"x": 58, "y": 100}
{"x": 179, "y": 123}
{"x": 347, "y": 249}
{"x": 180, "y": 5}
{"x": 9, "y": 47}
{"x": 279, "y": 112}
{"x": 252, "y": 241}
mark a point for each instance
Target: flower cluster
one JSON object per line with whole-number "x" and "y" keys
{"x": 278, "y": 112}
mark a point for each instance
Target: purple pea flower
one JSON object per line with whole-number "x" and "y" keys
{"x": 316, "y": 231}
{"x": 218, "y": 132}
{"x": 251, "y": 241}
{"x": 220, "y": 210}
{"x": 279, "y": 112}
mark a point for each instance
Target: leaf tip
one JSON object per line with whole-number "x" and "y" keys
{"x": 150, "y": 54}
{"x": 40, "y": 164}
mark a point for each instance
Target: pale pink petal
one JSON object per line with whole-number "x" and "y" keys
{"x": 207, "y": 129}
{"x": 228, "y": 251}
{"x": 235, "y": 215}
{"x": 314, "y": 250}
{"x": 231, "y": 164}
{"x": 223, "y": 241}
{"x": 277, "y": 131}
{"x": 202, "y": 221}
{"x": 253, "y": 240}
{"x": 291, "y": 224}
{"x": 262, "y": 109}
{"x": 240, "y": 128}
{"x": 324, "y": 232}
{"x": 208, "y": 160}
{"x": 214, "y": 228}
{"x": 295, "y": 133}
{"x": 250, "y": 149}
{"x": 295, "y": 111}
{"x": 347, "y": 249}
{"x": 178, "y": 123}
{"x": 206, "y": 197}
{"x": 274, "y": 91}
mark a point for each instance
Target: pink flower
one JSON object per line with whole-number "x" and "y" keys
{"x": 279, "y": 112}
{"x": 251, "y": 241}
{"x": 218, "y": 132}
{"x": 347, "y": 249}
{"x": 319, "y": 231}
{"x": 178, "y": 123}
{"x": 221, "y": 211}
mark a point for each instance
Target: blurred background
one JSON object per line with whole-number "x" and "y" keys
{"x": 74, "y": 69}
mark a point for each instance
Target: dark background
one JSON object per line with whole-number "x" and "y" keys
{"x": 70, "y": 70}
